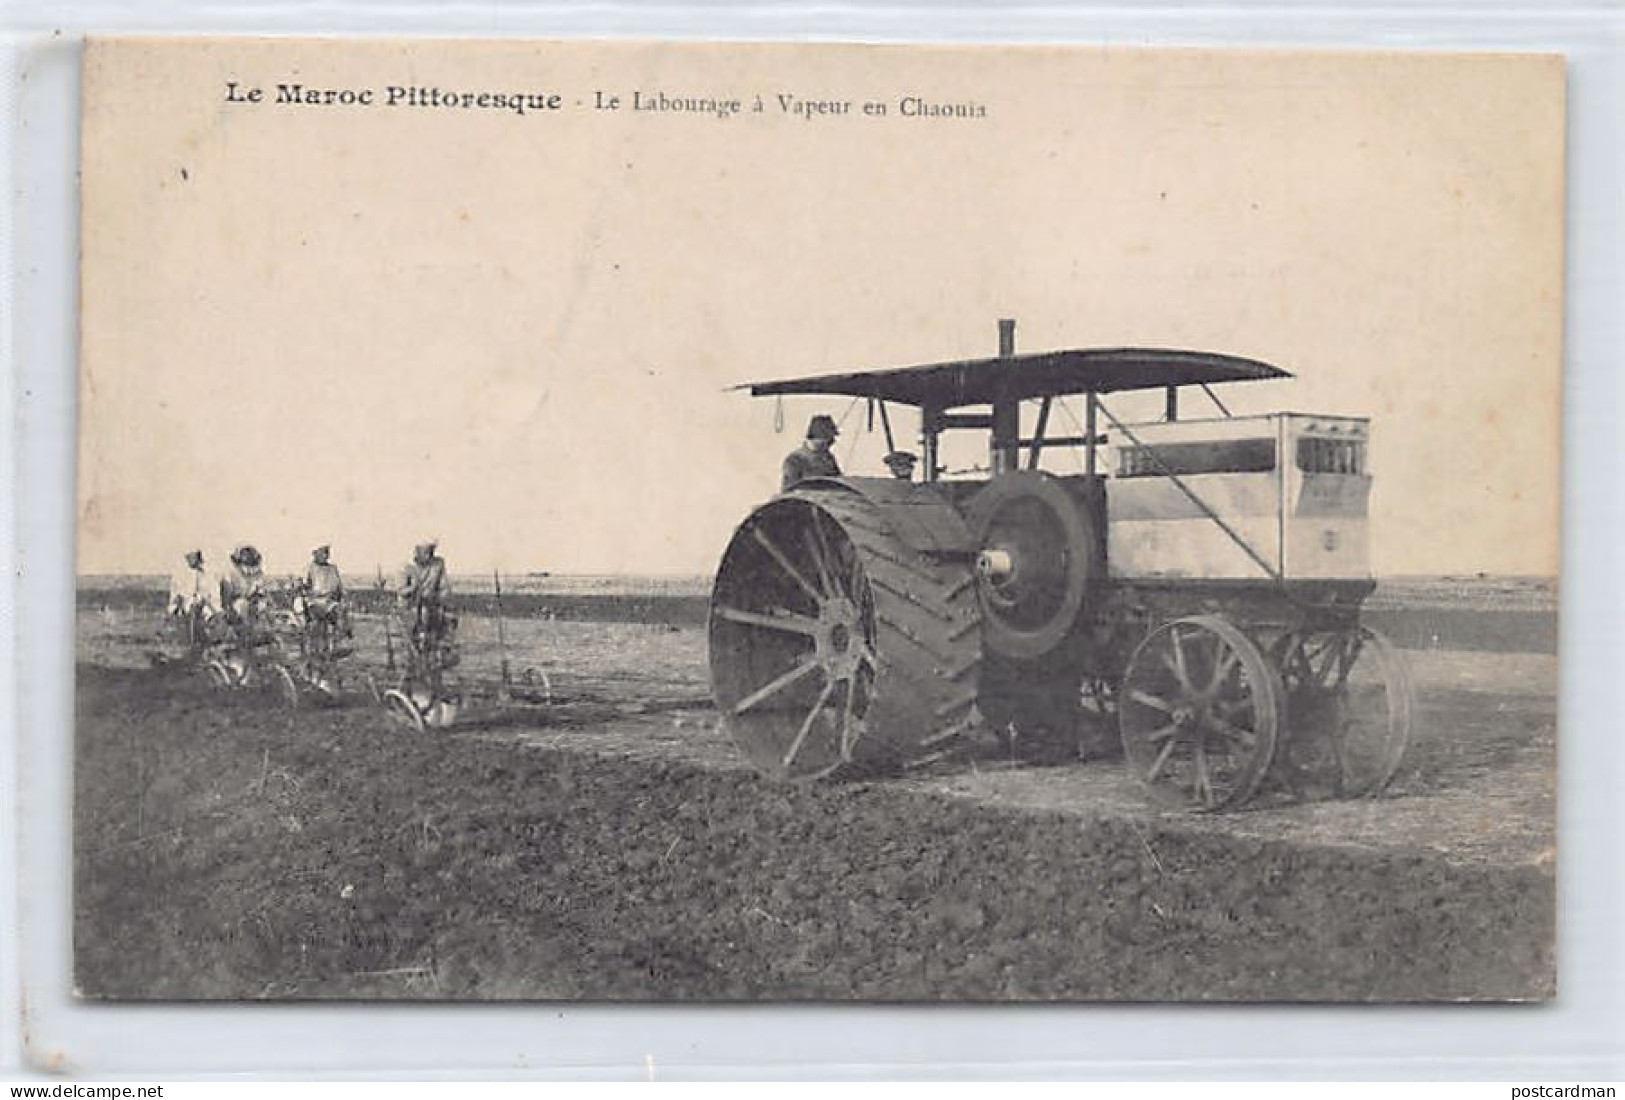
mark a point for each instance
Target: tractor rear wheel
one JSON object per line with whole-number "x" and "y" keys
{"x": 836, "y": 646}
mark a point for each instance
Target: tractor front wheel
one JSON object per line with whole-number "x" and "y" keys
{"x": 1200, "y": 710}
{"x": 1350, "y": 708}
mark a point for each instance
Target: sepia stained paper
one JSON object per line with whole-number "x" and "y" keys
{"x": 496, "y": 294}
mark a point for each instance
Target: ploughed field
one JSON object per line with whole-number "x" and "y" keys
{"x": 610, "y": 845}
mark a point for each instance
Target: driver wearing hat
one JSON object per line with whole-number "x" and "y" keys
{"x": 242, "y": 589}
{"x": 814, "y": 458}
{"x": 189, "y": 589}
{"x": 424, "y": 588}
{"x": 901, "y": 465}
{"x": 424, "y": 581}
{"x": 324, "y": 589}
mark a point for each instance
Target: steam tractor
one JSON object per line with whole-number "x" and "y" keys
{"x": 1202, "y": 594}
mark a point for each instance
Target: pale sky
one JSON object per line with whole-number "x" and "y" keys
{"x": 360, "y": 325}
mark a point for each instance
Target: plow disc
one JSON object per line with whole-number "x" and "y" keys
{"x": 836, "y": 645}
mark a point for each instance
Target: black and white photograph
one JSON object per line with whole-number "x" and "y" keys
{"x": 741, "y": 522}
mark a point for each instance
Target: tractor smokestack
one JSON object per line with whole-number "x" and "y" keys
{"x": 1003, "y": 444}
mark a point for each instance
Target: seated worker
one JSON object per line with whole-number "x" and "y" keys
{"x": 901, "y": 465}
{"x": 814, "y": 457}
{"x": 424, "y": 588}
{"x": 189, "y": 589}
{"x": 324, "y": 591}
{"x": 192, "y": 598}
{"x": 242, "y": 589}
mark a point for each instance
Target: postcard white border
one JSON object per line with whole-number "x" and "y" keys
{"x": 1575, "y": 1038}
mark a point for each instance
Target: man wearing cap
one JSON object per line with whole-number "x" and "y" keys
{"x": 901, "y": 465}
{"x": 324, "y": 590}
{"x": 814, "y": 458}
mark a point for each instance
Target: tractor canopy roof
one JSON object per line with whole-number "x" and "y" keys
{"x": 1038, "y": 374}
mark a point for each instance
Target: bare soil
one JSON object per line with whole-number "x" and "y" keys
{"x": 611, "y": 846}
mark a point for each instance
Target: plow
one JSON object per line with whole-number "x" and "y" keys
{"x": 428, "y": 691}
{"x": 251, "y": 656}
{"x": 298, "y": 654}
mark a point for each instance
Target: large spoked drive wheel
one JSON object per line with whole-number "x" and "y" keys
{"x": 1200, "y": 711}
{"x": 1350, "y": 709}
{"x": 834, "y": 645}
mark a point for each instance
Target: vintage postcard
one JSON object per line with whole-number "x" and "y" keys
{"x": 654, "y": 521}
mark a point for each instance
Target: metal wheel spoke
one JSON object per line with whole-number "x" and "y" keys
{"x": 1348, "y": 656}
{"x": 1222, "y": 669}
{"x": 777, "y": 619}
{"x": 849, "y": 715}
{"x": 1162, "y": 758}
{"x": 784, "y": 563}
{"x": 822, "y": 559}
{"x": 1180, "y": 669}
{"x": 1204, "y": 779}
{"x": 807, "y": 723}
{"x": 1162, "y": 732}
{"x": 1146, "y": 699}
{"x": 849, "y": 578}
{"x": 777, "y": 684}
